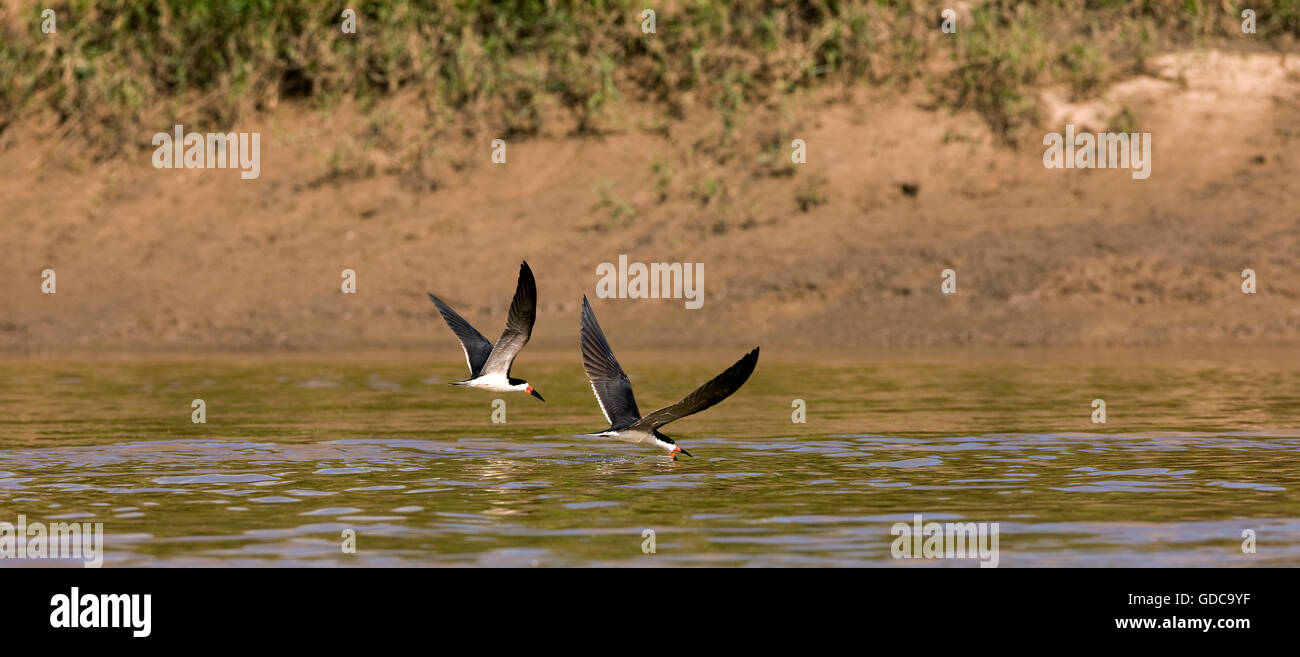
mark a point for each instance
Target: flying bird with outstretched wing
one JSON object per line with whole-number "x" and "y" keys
{"x": 614, "y": 391}
{"x": 489, "y": 364}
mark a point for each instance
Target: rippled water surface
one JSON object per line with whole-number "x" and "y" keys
{"x": 294, "y": 453}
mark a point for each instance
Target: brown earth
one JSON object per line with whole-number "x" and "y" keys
{"x": 199, "y": 261}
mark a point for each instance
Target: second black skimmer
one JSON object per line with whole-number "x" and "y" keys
{"x": 489, "y": 365}
{"x": 614, "y": 391}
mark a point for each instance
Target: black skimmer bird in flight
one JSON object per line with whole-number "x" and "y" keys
{"x": 614, "y": 391}
{"x": 489, "y": 365}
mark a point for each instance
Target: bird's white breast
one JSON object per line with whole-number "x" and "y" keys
{"x": 493, "y": 382}
{"x": 632, "y": 436}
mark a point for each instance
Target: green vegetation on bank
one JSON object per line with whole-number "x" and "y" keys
{"x": 522, "y": 67}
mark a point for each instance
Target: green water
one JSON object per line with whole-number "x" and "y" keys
{"x": 294, "y": 453}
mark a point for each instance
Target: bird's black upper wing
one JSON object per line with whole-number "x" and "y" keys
{"x": 716, "y": 390}
{"x": 612, "y": 388}
{"x": 519, "y": 326}
{"x": 477, "y": 348}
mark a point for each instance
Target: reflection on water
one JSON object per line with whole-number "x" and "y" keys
{"x": 293, "y": 454}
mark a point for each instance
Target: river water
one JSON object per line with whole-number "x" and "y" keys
{"x": 296, "y": 455}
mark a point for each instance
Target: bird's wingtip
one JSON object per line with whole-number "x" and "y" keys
{"x": 749, "y": 361}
